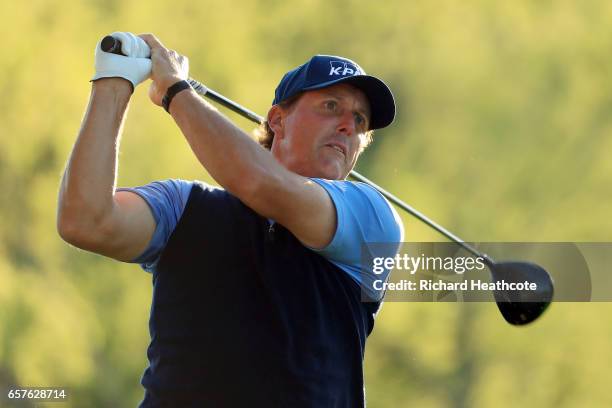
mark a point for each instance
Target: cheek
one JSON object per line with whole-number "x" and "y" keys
{"x": 303, "y": 138}
{"x": 296, "y": 145}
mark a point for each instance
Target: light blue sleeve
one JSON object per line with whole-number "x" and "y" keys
{"x": 167, "y": 200}
{"x": 363, "y": 216}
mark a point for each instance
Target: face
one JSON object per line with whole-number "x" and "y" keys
{"x": 320, "y": 134}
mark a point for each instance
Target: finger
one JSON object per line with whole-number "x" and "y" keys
{"x": 141, "y": 48}
{"x": 126, "y": 42}
{"x": 151, "y": 41}
{"x": 134, "y": 42}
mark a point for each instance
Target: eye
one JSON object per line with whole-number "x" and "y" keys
{"x": 359, "y": 119}
{"x": 331, "y": 105}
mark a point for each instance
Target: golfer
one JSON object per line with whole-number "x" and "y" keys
{"x": 260, "y": 298}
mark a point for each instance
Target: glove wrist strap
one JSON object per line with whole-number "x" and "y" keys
{"x": 172, "y": 91}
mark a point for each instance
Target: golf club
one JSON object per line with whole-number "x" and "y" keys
{"x": 517, "y": 307}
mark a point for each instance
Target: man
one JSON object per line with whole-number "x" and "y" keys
{"x": 257, "y": 287}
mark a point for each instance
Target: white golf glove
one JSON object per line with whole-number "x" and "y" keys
{"x": 135, "y": 67}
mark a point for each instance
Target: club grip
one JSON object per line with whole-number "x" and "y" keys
{"x": 111, "y": 44}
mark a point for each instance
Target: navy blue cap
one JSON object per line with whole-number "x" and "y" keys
{"x": 326, "y": 70}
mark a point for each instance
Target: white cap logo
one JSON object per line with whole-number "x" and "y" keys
{"x": 343, "y": 68}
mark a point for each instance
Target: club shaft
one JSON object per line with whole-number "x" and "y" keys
{"x": 228, "y": 103}
{"x": 419, "y": 215}
{"x": 222, "y": 100}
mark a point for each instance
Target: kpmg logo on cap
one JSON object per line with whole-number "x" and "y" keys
{"x": 343, "y": 68}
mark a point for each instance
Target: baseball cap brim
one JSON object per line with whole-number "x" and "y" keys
{"x": 382, "y": 103}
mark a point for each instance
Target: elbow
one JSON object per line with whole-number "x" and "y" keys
{"x": 76, "y": 229}
{"x": 69, "y": 230}
{"x": 64, "y": 226}
{"x": 68, "y": 223}
{"x": 80, "y": 224}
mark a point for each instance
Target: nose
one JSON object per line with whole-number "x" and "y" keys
{"x": 346, "y": 124}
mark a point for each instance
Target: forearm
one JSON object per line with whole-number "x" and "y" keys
{"x": 230, "y": 156}
{"x": 88, "y": 184}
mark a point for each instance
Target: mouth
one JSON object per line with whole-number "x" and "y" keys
{"x": 337, "y": 147}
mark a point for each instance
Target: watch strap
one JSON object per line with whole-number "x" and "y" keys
{"x": 172, "y": 91}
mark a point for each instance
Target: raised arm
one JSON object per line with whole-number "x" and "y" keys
{"x": 237, "y": 162}
{"x": 91, "y": 215}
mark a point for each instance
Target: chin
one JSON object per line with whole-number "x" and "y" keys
{"x": 325, "y": 169}
{"x": 333, "y": 173}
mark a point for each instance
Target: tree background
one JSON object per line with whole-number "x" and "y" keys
{"x": 502, "y": 134}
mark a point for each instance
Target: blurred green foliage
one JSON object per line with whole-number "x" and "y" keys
{"x": 502, "y": 134}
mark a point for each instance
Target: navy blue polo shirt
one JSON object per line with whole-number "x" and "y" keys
{"x": 243, "y": 314}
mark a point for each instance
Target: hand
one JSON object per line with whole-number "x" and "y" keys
{"x": 168, "y": 68}
{"x": 134, "y": 67}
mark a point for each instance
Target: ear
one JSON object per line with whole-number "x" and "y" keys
{"x": 275, "y": 120}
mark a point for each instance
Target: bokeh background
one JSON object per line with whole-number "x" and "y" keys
{"x": 503, "y": 133}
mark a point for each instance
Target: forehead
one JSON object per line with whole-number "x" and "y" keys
{"x": 344, "y": 92}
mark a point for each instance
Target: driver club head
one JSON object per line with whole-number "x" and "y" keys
{"x": 524, "y": 306}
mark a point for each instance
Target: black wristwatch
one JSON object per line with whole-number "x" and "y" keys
{"x": 172, "y": 91}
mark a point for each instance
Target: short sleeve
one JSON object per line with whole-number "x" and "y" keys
{"x": 167, "y": 200}
{"x": 363, "y": 216}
